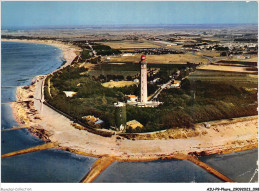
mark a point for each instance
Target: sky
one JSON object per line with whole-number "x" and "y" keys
{"x": 60, "y": 13}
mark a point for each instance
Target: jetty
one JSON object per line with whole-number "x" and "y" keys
{"x": 15, "y": 128}
{"x": 29, "y": 150}
{"x": 208, "y": 168}
{"x": 99, "y": 166}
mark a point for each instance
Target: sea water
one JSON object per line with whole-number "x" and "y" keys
{"x": 48, "y": 166}
{"x": 160, "y": 171}
{"x": 240, "y": 166}
{"x": 21, "y": 62}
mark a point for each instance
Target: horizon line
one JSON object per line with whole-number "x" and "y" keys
{"x": 115, "y": 25}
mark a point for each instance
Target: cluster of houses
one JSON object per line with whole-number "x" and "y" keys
{"x": 235, "y": 50}
{"x": 97, "y": 123}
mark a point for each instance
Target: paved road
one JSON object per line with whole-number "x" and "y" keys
{"x": 39, "y": 93}
{"x": 93, "y": 51}
{"x": 159, "y": 90}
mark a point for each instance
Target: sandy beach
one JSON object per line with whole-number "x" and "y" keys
{"x": 223, "y": 136}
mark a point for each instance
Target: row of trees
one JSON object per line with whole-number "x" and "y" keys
{"x": 105, "y": 50}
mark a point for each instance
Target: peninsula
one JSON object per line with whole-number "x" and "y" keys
{"x": 222, "y": 136}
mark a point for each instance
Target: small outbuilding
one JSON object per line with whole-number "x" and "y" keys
{"x": 69, "y": 93}
{"x": 131, "y": 98}
{"x": 132, "y": 125}
{"x": 93, "y": 121}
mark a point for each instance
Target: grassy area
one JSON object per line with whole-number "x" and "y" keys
{"x": 254, "y": 58}
{"x": 204, "y": 101}
{"x": 118, "y": 84}
{"x": 177, "y": 47}
{"x": 104, "y": 50}
{"x": 97, "y": 73}
{"x": 204, "y": 96}
{"x": 224, "y": 77}
{"x": 129, "y": 69}
{"x": 91, "y": 98}
{"x": 86, "y": 54}
{"x": 176, "y": 59}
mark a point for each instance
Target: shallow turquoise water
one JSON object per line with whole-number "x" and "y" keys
{"x": 7, "y": 120}
{"x": 16, "y": 139}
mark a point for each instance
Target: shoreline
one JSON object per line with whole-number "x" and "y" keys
{"x": 18, "y": 112}
{"x": 224, "y": 136}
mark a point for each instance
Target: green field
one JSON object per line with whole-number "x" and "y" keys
{"x": 231, "y": 78}
{"x": 129, "y": 69}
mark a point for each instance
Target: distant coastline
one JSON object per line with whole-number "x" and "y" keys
{"x": 132, "y": 26}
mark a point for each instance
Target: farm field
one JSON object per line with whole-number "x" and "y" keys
{"x": 232, "y": 78}
{"x": 125, "y": 69}
{"x": 254, "y": 58}
{"x": 162, "y": 59}
{"x": 226, "y": 68}
{"x": 107, "y": 72}
{"x": 177, "y": 47}
{"x": 209, "y": 53}
{"x": 130, "y": 45}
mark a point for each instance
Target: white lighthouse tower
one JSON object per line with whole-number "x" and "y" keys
{"x": 143, "y": 79}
